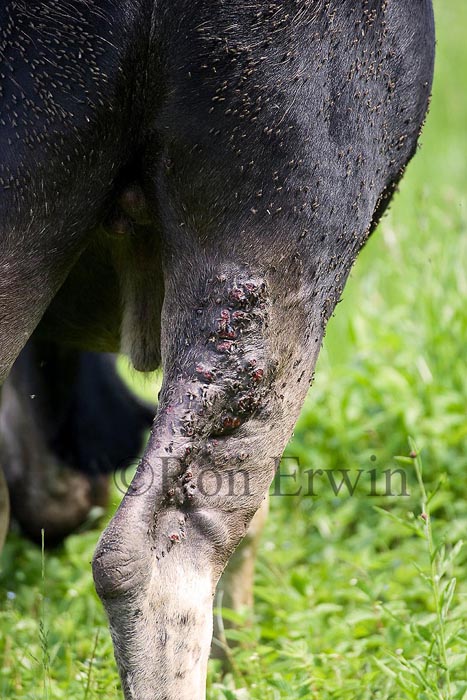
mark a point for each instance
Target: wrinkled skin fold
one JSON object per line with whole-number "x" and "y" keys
{"x": 233, "y": 162}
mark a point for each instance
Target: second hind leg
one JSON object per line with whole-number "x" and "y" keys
{"x": 66, "y": 420}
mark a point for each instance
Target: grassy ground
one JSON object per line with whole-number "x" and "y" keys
{"x": 355, "y": 596}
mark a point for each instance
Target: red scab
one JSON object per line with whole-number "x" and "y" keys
{"x": 205, "y": 373}
{"x": 230, "y": 422}
{"x": 187, "y": 430}
{"x": 258, "y": 375}
{"x": 248, "y": 293}
{"x": 237, "y": 295}
{"x": 226, "y": 346}
{"x": 174, "y": 537}
{"x": 225, "y": 315}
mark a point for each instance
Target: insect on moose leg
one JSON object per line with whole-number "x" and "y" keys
{"x": 272, "y": 156}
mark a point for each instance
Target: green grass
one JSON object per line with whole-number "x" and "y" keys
{"x": 356, "y": 597}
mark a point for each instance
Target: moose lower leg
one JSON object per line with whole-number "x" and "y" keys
{"x": 47, "y": 494}
{"x": 66, "y": 422}
{"x": 234, "y": 383}
{"x": 48, "y": 491}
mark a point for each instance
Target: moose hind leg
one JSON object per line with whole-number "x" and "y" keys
{"x": 66, "y": 420}
{"x": 266, "y": 188}
{"x": 232, "y": 391}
